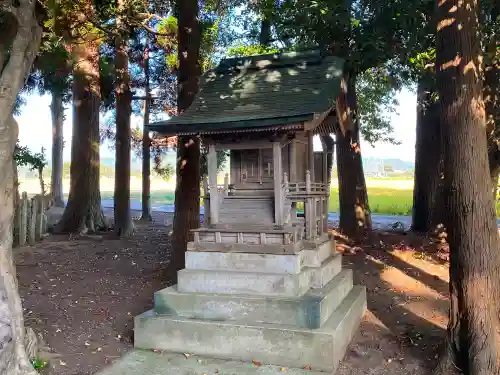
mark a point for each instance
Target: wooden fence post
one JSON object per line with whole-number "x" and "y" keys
{"x": 23, "y": 226}
{"x": 39, "y": 217}
{"x": 16, "y": 225}
{"x": 32, "y": 221}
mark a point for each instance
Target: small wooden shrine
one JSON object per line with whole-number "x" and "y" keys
{"x": 265, "y": 110}
{"x": 262, "y": 279}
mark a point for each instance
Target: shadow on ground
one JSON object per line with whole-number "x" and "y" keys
{"x": 407, "y": 303}
{"x": 82, "y": 293}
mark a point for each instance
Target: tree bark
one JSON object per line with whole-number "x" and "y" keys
{"x": 123, "y": 217}
{"x": 21, "y": 39}
{"x": 187, "y": 191}
{"x": 491, "y": 94}
{"x": 83, "y": 211}
{"x": 266, "y": 23}
{"x": 146, "y": 146}
{"x": 473, "y": 337}
{"x": 354, "y": 208}
{"x": 56, "y": 185}
{"x": 427, "y": 155}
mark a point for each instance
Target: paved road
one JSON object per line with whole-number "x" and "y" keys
{"x": 379, "y": 221}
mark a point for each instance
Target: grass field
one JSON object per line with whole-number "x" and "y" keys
{"x": 388, "y": 196}
{"x": 382, "y": 200}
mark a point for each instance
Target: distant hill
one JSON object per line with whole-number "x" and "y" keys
{"x": 373, "y": 165}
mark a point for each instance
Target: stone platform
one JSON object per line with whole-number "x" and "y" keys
{"x": 142, "y": 362}
{"x": 291, "y": 309}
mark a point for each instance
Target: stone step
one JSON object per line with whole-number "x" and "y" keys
{"x": 142, "y": 362}
{"x": 314, "y": 254}
{"x": 243, "y": 282}
{"x": 258, "y": 283}
{"x": 253, "y": 261}
{"x": 308, "y": 311}
{"x": 329, "y": 268}
{"x": 280, "y": 345}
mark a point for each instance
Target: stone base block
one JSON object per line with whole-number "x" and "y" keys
{"x": 315, "y": 253}
{"x": 236, "y": 281}
{"x": 309, "y": 311}
{"x": 280, "y": 345}
{"x": 324, "y": 274}
{"x": 142, "y": 362}
{"x": 240, "y": 282}
{"x": 250, "y": 262}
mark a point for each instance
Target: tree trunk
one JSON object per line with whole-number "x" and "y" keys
{"x": 123, "y": 217}
{"x": 266, "y": 23}
{"x": 83, "y": 211}
{"x": 56, "y": 185}
{"x": 187, "y": 191}
{"x": 354, "y": 209}
{"x": 427, "y": 155}
{"x": 491, "y": 94}
{"x": 21, "y": 36}
{"x": 473, "y": 337}
{"x": 146, "y": 146}
{"x": 265, "y": 31}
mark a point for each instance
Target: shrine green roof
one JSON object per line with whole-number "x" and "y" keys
{"x": 258, "y": 92}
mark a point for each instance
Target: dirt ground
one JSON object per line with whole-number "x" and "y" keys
{"x": 82, "y": 295}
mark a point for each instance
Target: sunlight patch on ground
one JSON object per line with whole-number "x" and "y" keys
{"x": 439, "y": 271}
{"x": 416, "y": 297}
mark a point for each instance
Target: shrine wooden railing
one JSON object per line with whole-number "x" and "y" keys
{"x": 315, "y": 197}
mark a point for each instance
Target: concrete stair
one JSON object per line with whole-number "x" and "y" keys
{"x": 142, "y": 362}
{"x": 245, "y": 340}
{"x": 308, "y": 311}
{"x": 292, "y": 310}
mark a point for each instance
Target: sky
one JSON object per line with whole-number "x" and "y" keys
{"x": 35, "y": 129}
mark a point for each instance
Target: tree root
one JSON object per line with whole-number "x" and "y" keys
{"x": 446, "y": 364}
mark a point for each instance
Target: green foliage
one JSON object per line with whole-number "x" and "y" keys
{"x": 376, "y": 91}
{"x": 165, "y": 172}
{"x": 250, "y": 50}
{"x": 24, "y": 157}
{"x": 51, "y": 69}
{"x": 168, "y": 40}
{"x": 424, "y": 61}
{"x": 39, "y": 364}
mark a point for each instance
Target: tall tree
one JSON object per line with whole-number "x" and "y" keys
{"x": 21, "y": 35}
{"x": 146, "y": 141}
{"x": 57, "y": 112}
{"x": 490, "y": 20}
{"x": 368, "y": 34}
{"x": 353, "y": 196}
{"x": 83, "y": 211}
{"x": 473, "y": 336}
{"x": 51, "y": 74}
{"x": 123, "y": 216}
{"x": 187, "y": 191}
{"x": 428, "y": 155}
